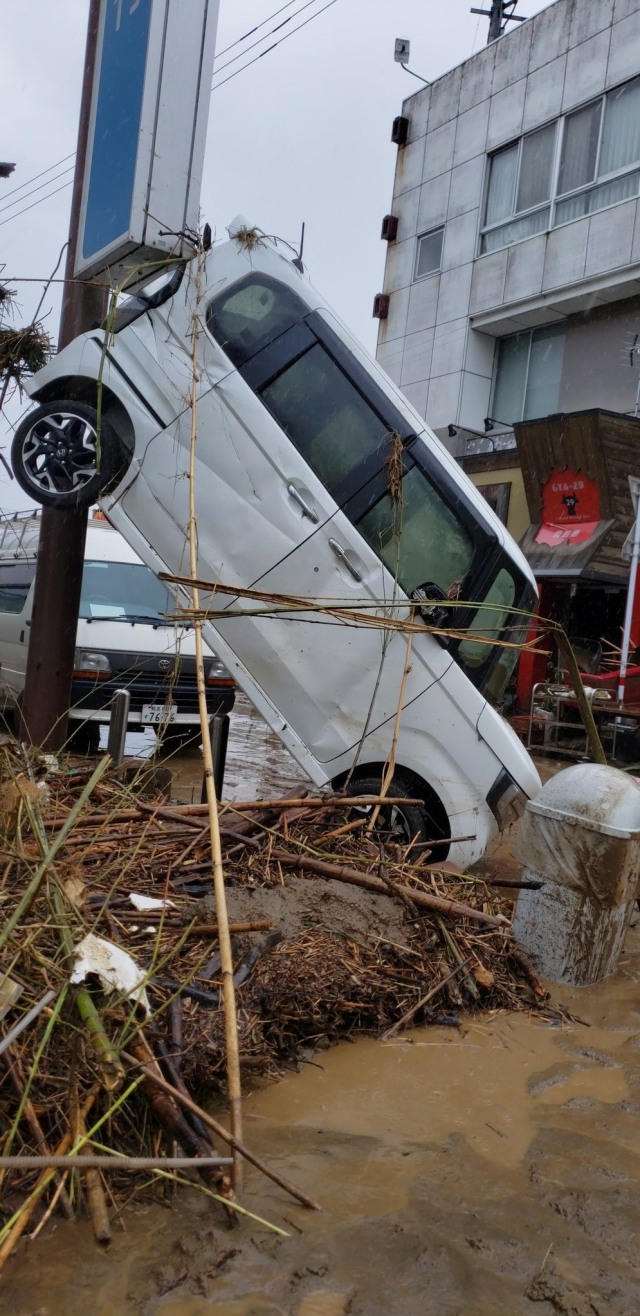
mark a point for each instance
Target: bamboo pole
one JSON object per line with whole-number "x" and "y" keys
{"x": 224, "y": 936}
{"x": 391, "y": 761}
{"x": 113, "y": 1162}
{"x": 566, "y": 649}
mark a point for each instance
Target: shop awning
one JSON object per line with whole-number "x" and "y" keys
{"x": 554, "y": 551}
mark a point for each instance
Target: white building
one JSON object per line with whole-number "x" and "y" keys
{"x": 514, "y": 277}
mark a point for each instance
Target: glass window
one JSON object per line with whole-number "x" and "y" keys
{"x": 534, "y": 186}
{"x": 251, "y": 313}
{"x": 124, "y": 591}
{"x": 502, "y": 185}
{"x": 323, "y": 413}
{"x": 15, "y": 582}
{"x": 621, "y": 130}
{"x": 429, "y": 253}
{"x": 489, "y": 621}
{"x": 579, "y": 148}
{"x": 419, "y": 538}
{"x": 528, "y": 374}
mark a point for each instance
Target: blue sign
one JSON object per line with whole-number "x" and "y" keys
{"x": 113, "y": 151}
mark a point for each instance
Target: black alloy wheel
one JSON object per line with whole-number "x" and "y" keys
{"x": 57, "y": 458}
{"x": 403, "y": 824}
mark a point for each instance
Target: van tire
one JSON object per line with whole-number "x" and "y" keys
{"x": 401, "y": 823}
{"x": 54, "y": 455}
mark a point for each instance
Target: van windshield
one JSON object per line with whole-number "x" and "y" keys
{"x": 124, "y": 591}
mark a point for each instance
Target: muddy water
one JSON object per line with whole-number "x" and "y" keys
{"x": 487, "y": 1172}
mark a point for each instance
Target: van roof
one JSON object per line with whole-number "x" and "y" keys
{"x": 19, "y": 535}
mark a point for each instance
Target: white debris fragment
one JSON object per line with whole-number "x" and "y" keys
{"x": 144, "y": 903}
{"x": 116, "y": 969}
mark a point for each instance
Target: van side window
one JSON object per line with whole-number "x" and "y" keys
{"x": 419, "y": 537}
{"x": 251, "y": 314}
{"x": 15, "y": 582}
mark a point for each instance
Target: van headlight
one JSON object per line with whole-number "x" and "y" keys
{"x": 89, "y": 664}
{"x": 506, "y": 799}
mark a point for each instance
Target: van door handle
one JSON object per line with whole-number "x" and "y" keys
{"x": 341, "y": 553}
{"x": 307, "y": 509}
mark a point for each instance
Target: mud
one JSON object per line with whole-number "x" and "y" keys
{"x": 490, "y": 1171}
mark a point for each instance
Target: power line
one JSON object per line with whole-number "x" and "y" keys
{"x": 35, "y": 176}
{"x": 39, "y": 188}
{"x": 255, "y": 29}
{"x": 264, "y": 38}
{"x": 217, "y": 85}
{"x": 275, "y": 44}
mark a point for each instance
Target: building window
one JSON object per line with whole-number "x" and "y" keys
{"x": 498, "y": 497}
{"x": 528, "y": 374}
{"x": 429, "y": 253}
{"x": 582, "y": 162}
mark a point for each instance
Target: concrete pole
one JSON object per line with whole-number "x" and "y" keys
{"x": 62, "y": 534}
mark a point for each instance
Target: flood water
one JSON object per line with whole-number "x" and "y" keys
{"x": 488, "y": 1171}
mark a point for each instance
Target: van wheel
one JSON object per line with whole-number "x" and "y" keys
{"x": 58, "y": 458}
{"x": 404, "y": 824}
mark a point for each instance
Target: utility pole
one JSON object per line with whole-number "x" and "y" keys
{"x": 501, "y": 13}
{"x": 62, "y": 535}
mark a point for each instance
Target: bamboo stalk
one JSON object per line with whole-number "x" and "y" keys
{"x": 413, "y": 1010}
{"x": 223, "y": 1133}
{"x": 16, "y": 1076}
{"x": 391, "y": 761}
{"x": 110, "y": 1065}
{"x": 224, "y": 936}
{"x": 96, "y": 1200}
{"x": 586, "y": 711}
{"x": 342, "y": 873}
{"x": 178, "y": 812}
{"x": 114, "y": 1162}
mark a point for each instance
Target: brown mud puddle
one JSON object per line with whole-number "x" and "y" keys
{"x": 490, "y": 1171}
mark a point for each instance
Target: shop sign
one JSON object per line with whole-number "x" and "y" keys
{"x": 570, "y": 509}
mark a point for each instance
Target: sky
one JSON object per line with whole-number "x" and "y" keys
{"x": 302, "y": 134}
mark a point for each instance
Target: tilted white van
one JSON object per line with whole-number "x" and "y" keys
{"x": 125, "y": 638}
{"x": 314, "y": 478}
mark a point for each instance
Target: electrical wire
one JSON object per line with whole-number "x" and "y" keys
{"x": 35, "y": 176}
{"x": 39, "y": 188}
{"x": 255, "y": 29}
{"x": 264, "y": 38}
{"x": 215, "y": 87}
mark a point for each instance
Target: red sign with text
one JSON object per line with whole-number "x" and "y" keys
{"x": 570, "y": 509}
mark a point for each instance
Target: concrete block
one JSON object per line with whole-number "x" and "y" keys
{"x": 474, "y": 400}
{"x": 550, "y": 34}
{"x": 471, "y": 133}
{"x": 568, "y": 938}
{"x": 543, "y": 98}
{"x": 586, "y": 70}
{"x": 434, "y": 202}
{"x": 566, "y": 254}
{"x": 442, "y": 400}
{"x": 610, "y": 238}
{"x": 409, "y": 166}
{"x": 477, "y": 78}
{"x": 445, "y": 96}
{"x": 438, "y": 153}
{"x": 487, "y": 285}
{"x": 449, "y": 346}
{"x": 416, "y": 394}
{"x": 505, "y": 116}
{"x": 460, "y": 240}
{"x": 399, "y": 265}
{"x": 417, "y": 112}
{"x": 589, "y": 17}
{"x": 525, "y": 265}
{"x": 405, "y": 207}
{"x": 480, "y": 355}
{"x": 455, "y": 290}
{"x": 466, "y": 189}
{"x": 416, "y": 363}
{"x": 422, "y": 304}
{"x": 623, "y": 51}
{"x": 512, "y": 57}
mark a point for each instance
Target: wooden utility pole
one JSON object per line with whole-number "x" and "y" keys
{"x": 62, "y": 535}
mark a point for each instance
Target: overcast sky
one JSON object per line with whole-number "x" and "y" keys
{"x": 301, "y": 134}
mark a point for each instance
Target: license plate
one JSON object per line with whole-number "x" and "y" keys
{"x": 155, "y": 713}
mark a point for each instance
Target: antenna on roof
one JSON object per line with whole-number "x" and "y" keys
{"x": 500, "y": 13}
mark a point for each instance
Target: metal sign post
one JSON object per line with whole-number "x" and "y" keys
{"x": 141, "y": 139}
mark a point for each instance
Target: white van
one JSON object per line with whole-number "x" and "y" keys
{"x": 124, "y": 640}
{"x": 314, "y": 478}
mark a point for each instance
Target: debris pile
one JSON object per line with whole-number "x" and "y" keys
{"x": 112, "y": 1032}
